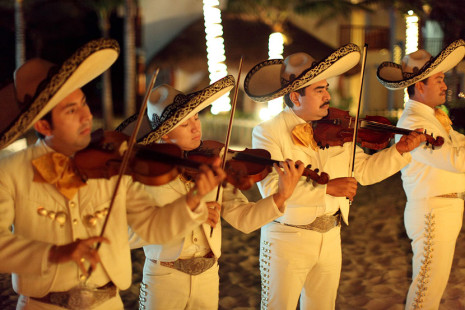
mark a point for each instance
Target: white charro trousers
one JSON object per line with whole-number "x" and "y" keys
{"x": 165, "y": 288}
{"x": 297, "y": 262}
{"x": 433, "y": 226}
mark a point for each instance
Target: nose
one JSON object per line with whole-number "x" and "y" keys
{"x": 444, "y": 85}
{"x": 86, "y": 115}
{"x": 195, "y": 125}
{"x": 327, "y": 95}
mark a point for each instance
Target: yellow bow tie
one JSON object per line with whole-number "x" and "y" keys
{"x": 57, "y": 169}
{"x": 302, "y": 134}
{"x": 443, "y": 119}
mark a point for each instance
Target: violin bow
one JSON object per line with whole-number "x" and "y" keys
{"x": 354, "y": 139}
{"x": 126, "y": 156}
{"x": 228, "y": 135}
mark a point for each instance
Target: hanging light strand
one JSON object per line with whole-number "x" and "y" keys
{"x": 215, "y": 51}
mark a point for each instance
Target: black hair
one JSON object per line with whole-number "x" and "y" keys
{"x": 411, "y": 88}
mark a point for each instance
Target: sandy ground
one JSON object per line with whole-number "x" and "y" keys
{"x": 376, "y": 260}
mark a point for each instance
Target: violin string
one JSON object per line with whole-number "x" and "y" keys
{"x": 381, "y": 126}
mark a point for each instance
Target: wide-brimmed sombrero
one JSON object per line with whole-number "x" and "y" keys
{"x": 274, "y": 78}
{"x": 40, "y": 85}
{"x": 167, "y": 108}
{"x": 420, "y": 65}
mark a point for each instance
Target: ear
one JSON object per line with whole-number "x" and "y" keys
{"x": 419, "y": 87}
{"x": 294, "y": 96}
{"x": 42, "y": 126}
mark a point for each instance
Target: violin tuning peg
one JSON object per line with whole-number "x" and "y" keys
{"x": 432, "y": 147}
{"x": 308, "y": 179}
{"x": 309, "y": 166}
{"x": 317, "y": 170}
{"x": 327, "y": 146}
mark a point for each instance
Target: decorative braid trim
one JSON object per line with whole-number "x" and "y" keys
{"x": 265, "y": 257}
{"x": 142, "y": 296}
{"x": 423, "y": 278}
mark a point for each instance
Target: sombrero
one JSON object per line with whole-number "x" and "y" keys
{"x": 167, "y": 108}
{"x": 39, "y": 85}
{"x": 274, "y": 78}
{"x": 419, "y": 65}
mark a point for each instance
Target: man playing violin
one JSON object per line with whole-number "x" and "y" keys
{"x": 183, "y": 273}
{"x": 434, "y": 181}
{"x": 300, "y": 252}
{"x": 50, "y": 218}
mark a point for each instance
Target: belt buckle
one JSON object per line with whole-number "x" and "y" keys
{"x": 81, "y": 297}
{"x": 85, "y": 297}
{"x": 194, "y": 266}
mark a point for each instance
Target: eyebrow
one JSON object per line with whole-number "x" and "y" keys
{"x": 322, "y": 87}
{"x": 73, "y": 103}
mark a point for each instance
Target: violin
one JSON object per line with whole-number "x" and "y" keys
{"x": 256, "y": 162}
{"x": 375, "y": 132}
{"x": 152, "y": 165}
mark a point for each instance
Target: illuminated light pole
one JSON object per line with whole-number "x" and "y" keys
{"x": 411, "y": 38}
{"x": 275, "y": 51}
{"x": 215, "y": 51}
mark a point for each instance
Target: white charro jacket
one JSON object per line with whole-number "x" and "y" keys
{"x": 24, "y": 252}
{"x": 432, "y": 172}
{"x": 235, "y": 209}
{"x": 309, "y": 201}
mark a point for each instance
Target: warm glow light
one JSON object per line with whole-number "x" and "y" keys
{"x": 276, "y": 45}
{"x": 411, "y": 38}
{"x": 215, "y": 51}
{"x": 275, "y": 51}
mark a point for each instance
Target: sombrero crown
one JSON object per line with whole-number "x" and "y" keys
{"x": 420, "y": 65}
{"x": 167, "y": 108}
{"x": 39, "y": 85}
{"x": 274, "y": 78}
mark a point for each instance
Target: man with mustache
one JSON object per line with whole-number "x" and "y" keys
{"x": 300, "y": 252}
{"x": 434, "y": 181}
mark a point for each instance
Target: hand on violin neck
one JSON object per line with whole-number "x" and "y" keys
{"x": 342, "y": 187}
{"x": 411, "y": 141}
{"x": 289, "y": 174}
{"x": 205, "y": 181}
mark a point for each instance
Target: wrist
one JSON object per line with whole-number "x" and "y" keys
{"x": 193, "y": 198}
{"x": 397, "y": 148}
{"x": 279, "y": 200}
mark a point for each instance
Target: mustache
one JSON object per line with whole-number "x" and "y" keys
{"x": 325, "y": 103}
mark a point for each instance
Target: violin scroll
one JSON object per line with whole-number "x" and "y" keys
{"x": 434, "y": 142}
{"x": 312, "y": 175}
